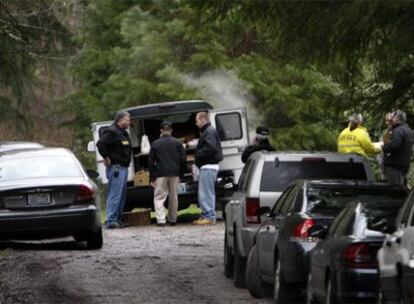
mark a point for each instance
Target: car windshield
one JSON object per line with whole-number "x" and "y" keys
{"x": 278, "y": 177}
{"x": 330, "y": 200}
{"x": 38, "y": 167}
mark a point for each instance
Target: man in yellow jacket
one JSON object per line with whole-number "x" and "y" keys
{"x": 355, "y": 138}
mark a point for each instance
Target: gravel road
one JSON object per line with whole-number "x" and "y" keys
{"x": 181, "y": 264}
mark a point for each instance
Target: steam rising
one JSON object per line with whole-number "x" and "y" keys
{"x": 223, "y": 89}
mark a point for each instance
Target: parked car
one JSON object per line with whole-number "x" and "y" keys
{"x": 14, "y": 145}
{"x": 264, "y": 177}
{"x": 280, "y": 255}
{"x": 396, "y": 258}
{"x": 46, "y": 193}
{"x": 231, "y": 125}
{"x": 343, "y": 266}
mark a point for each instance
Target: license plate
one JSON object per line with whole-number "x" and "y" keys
{"x": 181, "y": 188}
{"x": 39, "y": 199}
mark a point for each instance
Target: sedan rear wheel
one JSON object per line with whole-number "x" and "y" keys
{"x": 228, "y": 258}
{"x": 95, "y": 240}
{"x": 330, "y": 293}
{"x": 255, "y": 285}
{"x": 310, "y": 297}
{"x": 239, "y": 268}
{"x": 280, "y": 292}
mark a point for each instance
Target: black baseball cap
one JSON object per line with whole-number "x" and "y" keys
{"x": 165, "y": 124}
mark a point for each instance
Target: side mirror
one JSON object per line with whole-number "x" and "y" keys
{"x": 263, "y": 211}
{"x": 318, "y": 231}
{"x": 92, "y": 173}
{"x": 91, "y": 147}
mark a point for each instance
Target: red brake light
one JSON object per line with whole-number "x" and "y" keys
{"x": 252, "y": 204}
{"x": 85, "y": 193}
{"x": 360, "y": 255}
{"x": 301, "y": 230}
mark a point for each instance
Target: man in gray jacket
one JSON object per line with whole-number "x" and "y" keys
{"x": 167, "y": 162}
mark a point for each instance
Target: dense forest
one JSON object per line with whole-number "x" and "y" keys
{"x": 299, "y": 67}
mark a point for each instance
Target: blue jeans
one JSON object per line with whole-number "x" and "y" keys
{"x": 207, "y": 193}
{"x": 116, "y": 195}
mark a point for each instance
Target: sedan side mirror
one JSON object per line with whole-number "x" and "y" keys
{"x": 318, "y": 231}
{"x": 92, "y": 173}
{"x": 263, "y": 211}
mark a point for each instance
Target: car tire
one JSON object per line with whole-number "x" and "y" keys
{"x": 239, "y": 277}
{"x": 95, "y": 240}
{"x": 280, "y": 292}
{"x": 79, "y": 237}
{"x": 310, "y": 296}
{"x": 330, "y": 292}
{"x": 256, "y": 286}
{"x": 228, "y": 258}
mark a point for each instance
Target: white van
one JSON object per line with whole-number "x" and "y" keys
{"x": 231, "y": 125}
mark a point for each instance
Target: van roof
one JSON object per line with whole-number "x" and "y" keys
{"x": 167, "y": 108}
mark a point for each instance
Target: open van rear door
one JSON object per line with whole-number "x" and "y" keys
{"x": 97, "y": 130}
{"x": 231, "y": 125}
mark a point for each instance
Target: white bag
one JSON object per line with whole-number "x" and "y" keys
{"x": 145, "y": 144}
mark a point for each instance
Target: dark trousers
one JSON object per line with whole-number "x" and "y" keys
{"x": 396, "y": 176}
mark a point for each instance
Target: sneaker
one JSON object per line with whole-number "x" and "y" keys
{"x": 123, "y": 224}
{"x": 161, "y": 224}
{"x": 172, "y": 223}
{"x": 204, "y": 221}
{"x": 112, "y": 226}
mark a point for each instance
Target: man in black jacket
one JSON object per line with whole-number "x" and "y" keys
{"x": 115, "y": 147}
{"x": 260, "y": 143}
{"x": 208, "y": 154}
{"x": 398, "y": 150}
{"x": 167, "y": 162}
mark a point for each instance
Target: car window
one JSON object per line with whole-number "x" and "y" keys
{"x": 38, "y": 167}
{"x": 277, "y": 176}
{"x": 345, "y": 224}
{"x": 229, "y": 126}
{"x": 289, "y": 203}
{"x": 336, "y": 221}
{"x": 243, "y": 175}
{"x": 330, "y": 200}
{"x": 279, "y": 203}
{"x": 407, "y": 210}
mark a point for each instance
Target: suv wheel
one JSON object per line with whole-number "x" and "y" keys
{"x": 95, "y": 240}
{"x": 255, "y": 285}
{"x": 228, "y": 258}
{"x": 239, "y": 268}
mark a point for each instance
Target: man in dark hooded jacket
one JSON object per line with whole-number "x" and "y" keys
{"x": 260, "y": 143}
{"x": 398, "y": 150}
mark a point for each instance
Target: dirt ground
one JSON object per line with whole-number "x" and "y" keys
{"x": 181, "y": 264}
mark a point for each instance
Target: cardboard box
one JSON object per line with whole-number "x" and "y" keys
{"x": 142, "y": 178}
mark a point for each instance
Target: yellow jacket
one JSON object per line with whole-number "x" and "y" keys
{"x": 356, "y": 141}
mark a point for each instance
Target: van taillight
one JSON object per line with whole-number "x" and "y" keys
{"x": 85, "y": 193}
{"x": 360, "y": 255}
{"x": 252, "y": 204}
{"x": 301, "y": 230}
